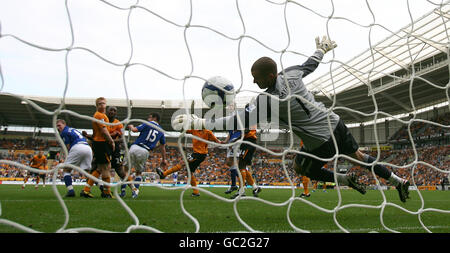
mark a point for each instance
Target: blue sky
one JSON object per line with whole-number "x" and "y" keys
{"x": 162, "y": 45}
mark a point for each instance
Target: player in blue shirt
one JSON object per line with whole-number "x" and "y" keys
{"x": 150, "y": 136}
{"x": 233, "y": 135}
{"x": 80, "y": 153}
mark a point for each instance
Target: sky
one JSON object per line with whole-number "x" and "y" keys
{"x": 170, "y": 41}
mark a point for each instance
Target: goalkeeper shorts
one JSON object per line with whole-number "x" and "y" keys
{"x": 345, "y": 141}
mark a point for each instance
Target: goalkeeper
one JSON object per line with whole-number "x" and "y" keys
{"x": 309, "y": 121}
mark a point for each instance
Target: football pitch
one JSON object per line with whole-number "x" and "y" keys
{"x": 161, "y": 209}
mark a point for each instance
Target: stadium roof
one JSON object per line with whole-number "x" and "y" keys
{"x": 413, "y": 60}
{"x": 427, "y": 36}
{"x": 390, "y": 68}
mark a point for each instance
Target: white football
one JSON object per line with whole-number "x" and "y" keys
{"x": 218, "y": 91}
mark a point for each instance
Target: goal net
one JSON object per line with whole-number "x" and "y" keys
{"x": 151, "y": 50}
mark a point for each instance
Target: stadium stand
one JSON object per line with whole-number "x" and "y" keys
{"x": 266, "y": 167}
{"x": 421, "y": 131}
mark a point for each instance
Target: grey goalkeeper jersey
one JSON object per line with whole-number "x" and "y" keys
{"x": 309, "y": 120}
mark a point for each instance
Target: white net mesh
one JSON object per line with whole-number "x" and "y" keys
{"x": 409, "y": 45}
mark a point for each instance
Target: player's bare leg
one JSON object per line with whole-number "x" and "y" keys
{"x": 247, "y": 178}
{"x": 106, "y": 177}
{"x": 195, "y": 192}
{"x": 255, "y": 188}
{"x": 25, "y": 180}
{"x": 86, "y": 192}
{"x": 37, "y": 181}
{"x": 305, "y": 182}
{"x": 163, "y": 174}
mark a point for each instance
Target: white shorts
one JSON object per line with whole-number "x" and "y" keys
{"x": 138, "y": 158}
{"x": 230, "y": 152}
{"x": 80, "y": 155}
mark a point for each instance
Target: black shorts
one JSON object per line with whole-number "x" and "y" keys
{"x": 345, "y": 141}
{"x": 102, "y": 152}
{"x": 247, "y": 151}
{"x": 194, "y": 160}
{"x": 116, "y": 157}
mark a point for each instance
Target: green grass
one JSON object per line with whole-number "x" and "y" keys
{"x": 161, "y": 209}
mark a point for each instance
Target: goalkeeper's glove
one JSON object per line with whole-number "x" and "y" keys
{"x": 325, "y": 45}
{"x": 188, "y": 121}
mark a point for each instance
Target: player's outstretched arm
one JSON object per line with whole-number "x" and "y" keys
{"x": 226, "y": 139}
{"x": 86, "y": 135}
{"x": 246, "y": 117}
{"x": 322, "y": 47}
{"x": 214, "y": 138}
{"x": 188, "y": 122}
{"x": 133, "y": 128}
{"x": 325, "y": 45}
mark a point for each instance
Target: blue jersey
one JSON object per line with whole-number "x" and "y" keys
{"x": 234, "y": 135}
{"x": 149, "y": 136}
{"x": 72, "y": 136}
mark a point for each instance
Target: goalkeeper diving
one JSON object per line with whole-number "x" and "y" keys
{"x": 309, "y": 120}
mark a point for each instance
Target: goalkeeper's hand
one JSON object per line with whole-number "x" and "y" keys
{"x": 188, "y": 121}
{"x": 325, "y": 45}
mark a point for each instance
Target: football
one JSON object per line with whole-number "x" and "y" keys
{"x": 218, "y": 92}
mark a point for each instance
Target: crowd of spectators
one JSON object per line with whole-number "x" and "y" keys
{"x": 27, "y": 144}
{"x": 267, "y": 168}
{"x": 407, "y": 164}
{"x": 423, "y": 130}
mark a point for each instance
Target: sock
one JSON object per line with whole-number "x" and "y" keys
{"x": 234, "y": 175}
{"x": 137, "y": 179}
{"x": 380, "y": 170}
{"x": 68, "y": 181}
{"x": 173, "y": 169}
{"x": 90, "y": 182}
{"x": 305, "y": 182}
{"x": 249, "y": 179}
{"x": 395, "y": 180}
{"x": 130, "y": 178}
{"x": 194, "y": 184}
{"x": 106, "y": 189}
{"x": 37, "y": 180}
{"x": 244, "y": 177}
